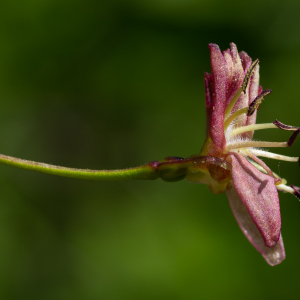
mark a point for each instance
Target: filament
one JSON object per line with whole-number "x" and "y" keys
{"x": 246, "y": 144}
{"x": 252, "y": 128}
{"x": 284, "y": 188}
{"x": 274, "y": 155}
{"x": 232, "y": 103}
{"x": 234, "y": 116}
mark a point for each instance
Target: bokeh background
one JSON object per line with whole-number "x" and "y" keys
{"x": 115, "y": 84}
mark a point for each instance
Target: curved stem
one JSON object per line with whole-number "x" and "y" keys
{"x": 147, "y": 171}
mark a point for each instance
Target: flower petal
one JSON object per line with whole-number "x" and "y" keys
{"x": 237, "y": 78}
{"x": 274, "y": 255}
{"x": 220, "y": 77}
{"x": 259, "y": 194}
{"x": 227, "y": 77}
{"x": 246, "y": 60}
{"x": 229, "y": 62}
{"x": 208, "y": 81}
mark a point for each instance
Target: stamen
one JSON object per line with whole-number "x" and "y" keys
{"x": 260, "y": 168}
{"x": 285, "y": 127}
{"x": 259, "y": 144}
{"x": 257, "y": 101}
{"x": 273, "y": 155}
{"x": 248, "y": 75}
{"x": 293, "y": 138}
{"x": 263, "y": 165}
{"x": 234, "y": 116}
{"x": 242, "y": 88}
{"x": 252, "y": 128}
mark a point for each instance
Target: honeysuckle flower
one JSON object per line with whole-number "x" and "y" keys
{"x": 228, "y": 161}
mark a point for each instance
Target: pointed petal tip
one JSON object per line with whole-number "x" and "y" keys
{"x": 232, "y": 45}
{"x": 212, "y": 45}
{"x": 214, "y": 48}
{"x": 233, "y": 49}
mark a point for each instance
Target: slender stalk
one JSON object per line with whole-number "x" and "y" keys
{"x": 147, "y": 171}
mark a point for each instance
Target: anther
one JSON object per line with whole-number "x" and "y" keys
{"x": 248, "y": 75}
{"x": 242, "y": 88}
{"x": 285, "y": 127}
{"x": 297, "y": 188}
{"x": 293, "y": 138}
{"x": 257, "y": 101}
{"x": 296, "y": 192}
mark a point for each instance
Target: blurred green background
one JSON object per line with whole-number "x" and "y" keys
{"x": 115, "y": 84}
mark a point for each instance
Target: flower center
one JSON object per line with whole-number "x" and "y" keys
{"x": 236, "y": 142}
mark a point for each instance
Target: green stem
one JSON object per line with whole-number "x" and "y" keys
{"x": 147, "y": 171}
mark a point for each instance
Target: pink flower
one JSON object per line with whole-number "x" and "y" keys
{"x": 228, "y": 160}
